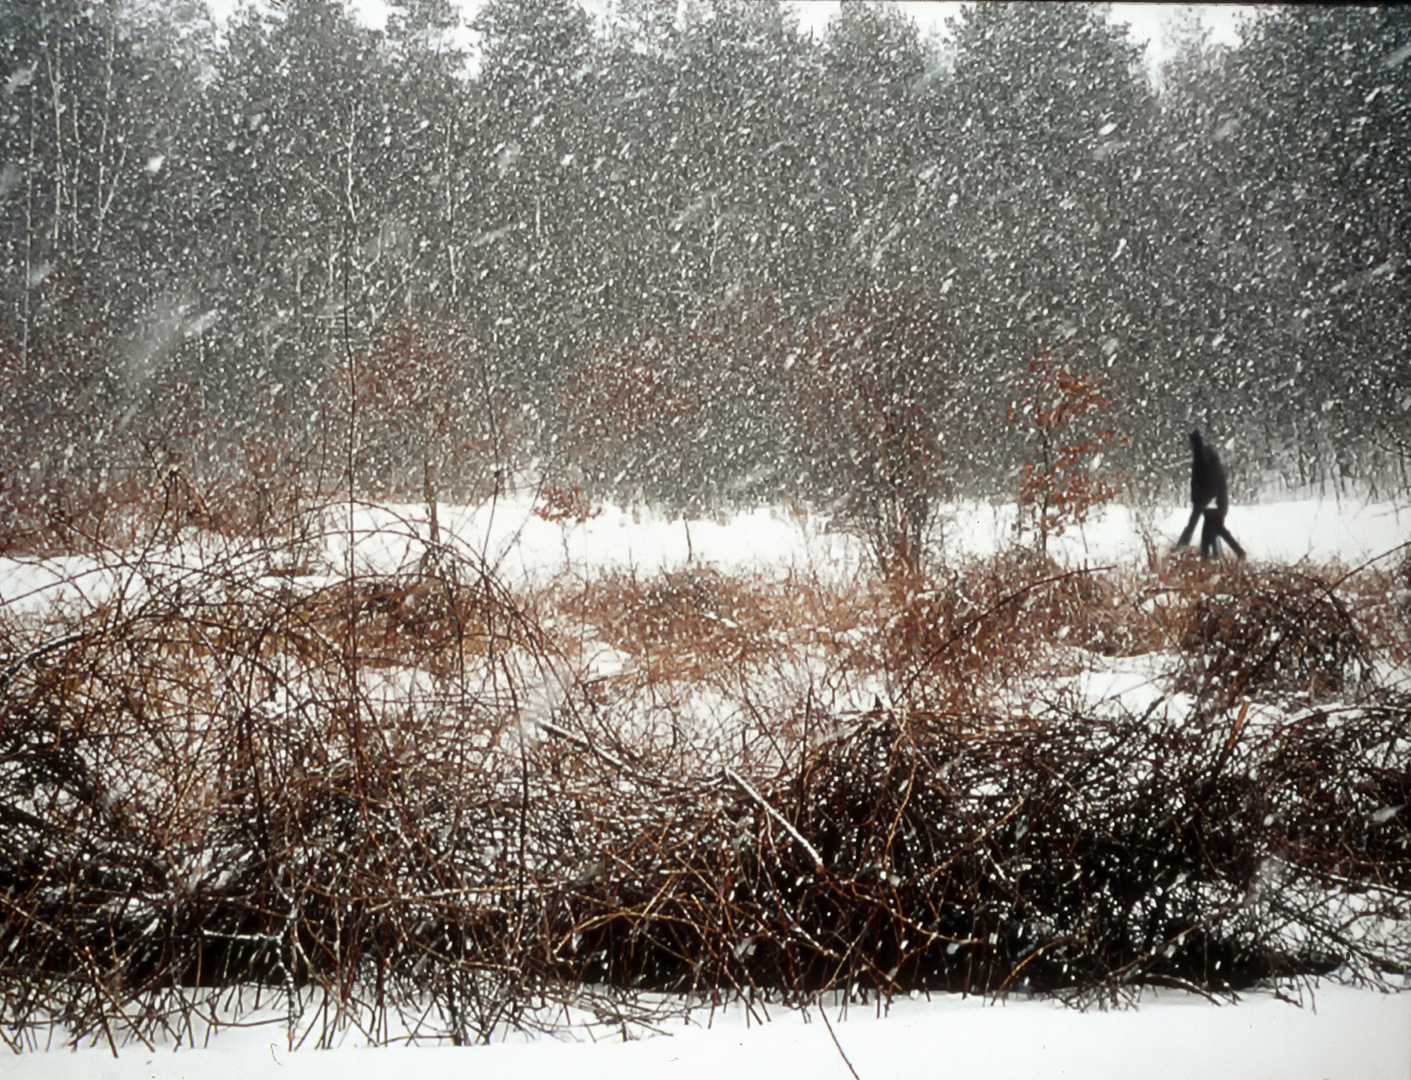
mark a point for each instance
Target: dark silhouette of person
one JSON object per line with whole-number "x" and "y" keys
{"x": 1208, "y": 482}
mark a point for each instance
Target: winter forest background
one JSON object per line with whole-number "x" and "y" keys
{"x": 686, "y": 253}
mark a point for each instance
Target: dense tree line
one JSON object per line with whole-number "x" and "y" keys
{"x": 628, "y": 247}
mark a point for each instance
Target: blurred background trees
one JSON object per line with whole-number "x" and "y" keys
{"x": 693, "y": 200}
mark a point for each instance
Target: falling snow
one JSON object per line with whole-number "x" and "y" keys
{"x": 660, "y": 275}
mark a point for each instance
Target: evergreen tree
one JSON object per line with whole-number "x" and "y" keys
{"x": 1037, "y": 202}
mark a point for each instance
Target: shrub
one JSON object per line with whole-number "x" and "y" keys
{"x": 1265, "y": 630}
{"x": 979, "y": 853}
{"x": 239, "y": 782}
{"x": 1061, "y": 484}
{"x": 874, "y": 410}
{"x": 391, "y": 803}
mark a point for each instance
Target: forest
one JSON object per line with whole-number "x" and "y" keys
{"x": 683, "y": 254}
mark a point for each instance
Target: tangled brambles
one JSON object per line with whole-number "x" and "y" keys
{"x": 1275, "y": 630}
{"x": 393, "y": 799}
{"x": 1056, "y": 853}
{"x": 220, "y": 780}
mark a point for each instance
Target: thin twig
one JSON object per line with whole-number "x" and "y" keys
{"x": 823, "y": 1011}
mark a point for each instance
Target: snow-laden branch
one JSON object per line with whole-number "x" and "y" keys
{"x": 757, "y": 797}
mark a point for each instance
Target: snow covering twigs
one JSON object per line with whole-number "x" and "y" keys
{"x": 779, "y": 818}
{"x": 461, "y": 820}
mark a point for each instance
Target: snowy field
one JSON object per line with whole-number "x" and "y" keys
{"x": 1333, "y": 1032}
{"x": 1337, "y": 1034}
{"x": 523, "y": 547}
{"x": 522, "y": 544}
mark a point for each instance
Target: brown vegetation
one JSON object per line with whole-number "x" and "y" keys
{"x": 411, "y": 800}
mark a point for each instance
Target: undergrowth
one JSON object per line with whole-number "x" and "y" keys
{"x": 429, "y": 804}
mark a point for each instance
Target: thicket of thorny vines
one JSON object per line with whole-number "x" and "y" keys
{"x": 403, "y": 802}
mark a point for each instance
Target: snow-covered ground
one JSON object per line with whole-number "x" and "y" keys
{"x": 1336, "y": 1032}
{"x": 524, "y": 547}
{"x": 522, "y": 543}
